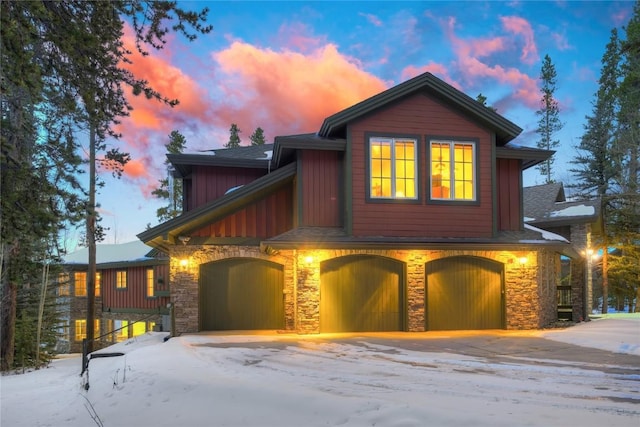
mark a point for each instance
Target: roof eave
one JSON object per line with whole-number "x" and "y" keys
{"x": 164, "y": 235}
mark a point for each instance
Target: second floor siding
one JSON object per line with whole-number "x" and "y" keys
{"x": 130, "y": 287}
{"x": 320, "y": 185}
{"x": 210, "y": 183}
{"x": 426, "y": 210}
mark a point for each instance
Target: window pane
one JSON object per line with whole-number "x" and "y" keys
{"x": 452, "y": 168}
{"x": 150, "y": 283}
{"x": 393, "y": 168}
{"x": 98, "y": 283}
{"x": 80, "y": 283}
{"x": 81, "y": 330}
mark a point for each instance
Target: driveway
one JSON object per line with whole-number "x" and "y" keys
{"x": 496, "y": 346}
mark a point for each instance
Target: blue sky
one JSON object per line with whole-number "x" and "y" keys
{"x": 285, "y": 66}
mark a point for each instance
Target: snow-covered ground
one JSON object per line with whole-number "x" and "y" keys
{"x": 293, "y": 380}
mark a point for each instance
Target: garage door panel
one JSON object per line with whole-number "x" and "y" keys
{"x": 241, "y": 293}
{"x": 464, "y": 293}
{"x": 361, "y": 293}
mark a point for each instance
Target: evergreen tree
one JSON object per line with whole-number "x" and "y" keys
{"x": 257, "y": 137}
{"x": 483, "y": 100}
{"x": 549, "y": 116}
{"x": 595, "y": 166}
{"x": 170, "y": 189}
{"x": 234, "y": 137}
{"x": 63, "y": 76}
{"x": 624, "y": 218}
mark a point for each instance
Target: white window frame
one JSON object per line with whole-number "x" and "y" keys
{"x": 452, "y": 174}
{"x": 392, "y": 141}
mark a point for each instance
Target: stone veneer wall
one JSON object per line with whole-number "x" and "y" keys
{"x": 580, "y": 236}
{"x": 530, "y": 292}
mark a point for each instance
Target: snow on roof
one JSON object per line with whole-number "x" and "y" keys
{"x": 578, "y": 210}
{"x": 233, "y": 189}
{"x": 269, "y": 154}
{"x": 132, "y": 251}
{"x": 546, "y": 235}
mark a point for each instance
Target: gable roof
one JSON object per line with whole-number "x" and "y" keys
{"x": 167, "y": 233}
{"x": 427, "y": 83}
{"x": 546, "y": 205}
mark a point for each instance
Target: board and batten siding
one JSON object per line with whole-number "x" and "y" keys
{"x": 135, "y": 294}
{"x": 508, "y": 176}
{"x": 320, "y": 180}
{"x": 423, "y": 116}
{"x": 211, "y": 183}
{"x": 265, "y": 218}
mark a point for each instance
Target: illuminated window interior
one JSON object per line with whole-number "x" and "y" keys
{"x": 393, "y": 168}
{"x": 139, "y": 328}
{"x": 121, "y": 279}
{"x": 452, "y": 170}
{"x": 150, "y": 283}
{"x": 121, "y": 334}
{"x": 98, "y": 283}
{"x": 80, "y": 283}
{"x": 81, "y": 329}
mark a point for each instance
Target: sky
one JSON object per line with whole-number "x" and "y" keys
{"x": 285, "y": 66}
{"x": 292, "y": 380}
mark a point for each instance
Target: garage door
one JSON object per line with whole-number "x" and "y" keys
{"x": 360, "y": 294}
{"x": 241, "y": 293}
{"x": 464, "y": 293}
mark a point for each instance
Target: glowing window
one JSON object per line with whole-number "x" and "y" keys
{"x": 150, "y": 283}
{"x": 393, "y": 168}
{"x": 98, "y": 283}
{"x": 453, "y": 170}
{"x": 80, "y": 283}
{"x": 121, "y": 334}
{"x": 139, "y": 328}
{"x": 81, "y": 330}
{"x": 121, "y": 279}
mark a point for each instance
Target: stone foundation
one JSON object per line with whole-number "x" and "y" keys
{"x": 529, "y": 287}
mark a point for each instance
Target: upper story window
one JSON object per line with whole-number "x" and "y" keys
{"x": 63, "y": 285}
{"x": 80, "y": 283}
{"x": 121, "y": 279}
{"x": 98, "y": 283}
{"x": 453, "y": 170}
{"x": 393, "y": 168}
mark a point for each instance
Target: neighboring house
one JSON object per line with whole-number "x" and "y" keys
{"x": 402, "y": 213}
{"x": 546, "y": 207}
{"x": 131, "y": 293}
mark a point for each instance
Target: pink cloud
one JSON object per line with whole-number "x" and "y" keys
{"x": 438, "y": 70}
{"x": 298, "y": 36}
{"x": 469, "y": 64}
{"x": 373, "y": 19}
{"x": 287, "y": 92}
{"x": 561, "y": 41}
{"x": 522, "y": 27}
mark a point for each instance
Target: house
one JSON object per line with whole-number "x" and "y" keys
{"x": 546, "y": 207}
{"x": 401, "y": 213}
{"x": 131, "y": 294}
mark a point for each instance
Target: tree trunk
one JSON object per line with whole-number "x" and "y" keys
{"x": 605, "y": 277}
{"x": 8, "y": 310}
{"x": 91, "y": 240}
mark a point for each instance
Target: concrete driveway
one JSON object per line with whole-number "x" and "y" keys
{"x": 496, "y": 346}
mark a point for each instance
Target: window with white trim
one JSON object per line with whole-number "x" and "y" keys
{"x": 393, "y": 168}
{"x": 453, "y": 170}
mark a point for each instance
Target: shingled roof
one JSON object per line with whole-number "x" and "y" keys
{"x": 546, "y": 206}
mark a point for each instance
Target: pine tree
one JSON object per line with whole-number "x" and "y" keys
{"x": 595, "y": 165}
{"x": 170, "y": 189}
{"x": 257, "y": 137}
{"x": 234, "y": 137}
{"x": 624, "y": 219}
{"x": 63, "y": 76}
{"x": 483, "y": 100}
{"x": 549, "y": 116}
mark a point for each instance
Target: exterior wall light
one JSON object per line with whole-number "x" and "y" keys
{"x": 184, "y": 263}
{"x": 523, "y": 260}
{"x": 308, "y": 260}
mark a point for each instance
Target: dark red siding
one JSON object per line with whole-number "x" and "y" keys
{"x": 266, "y": 218}
{"x": 209, "y": 183}
{"x": 422, "y": 116}
{"x": 509, "y": 184}
{"x": 321, "y": 196}
{"x": 135, "y": 295}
